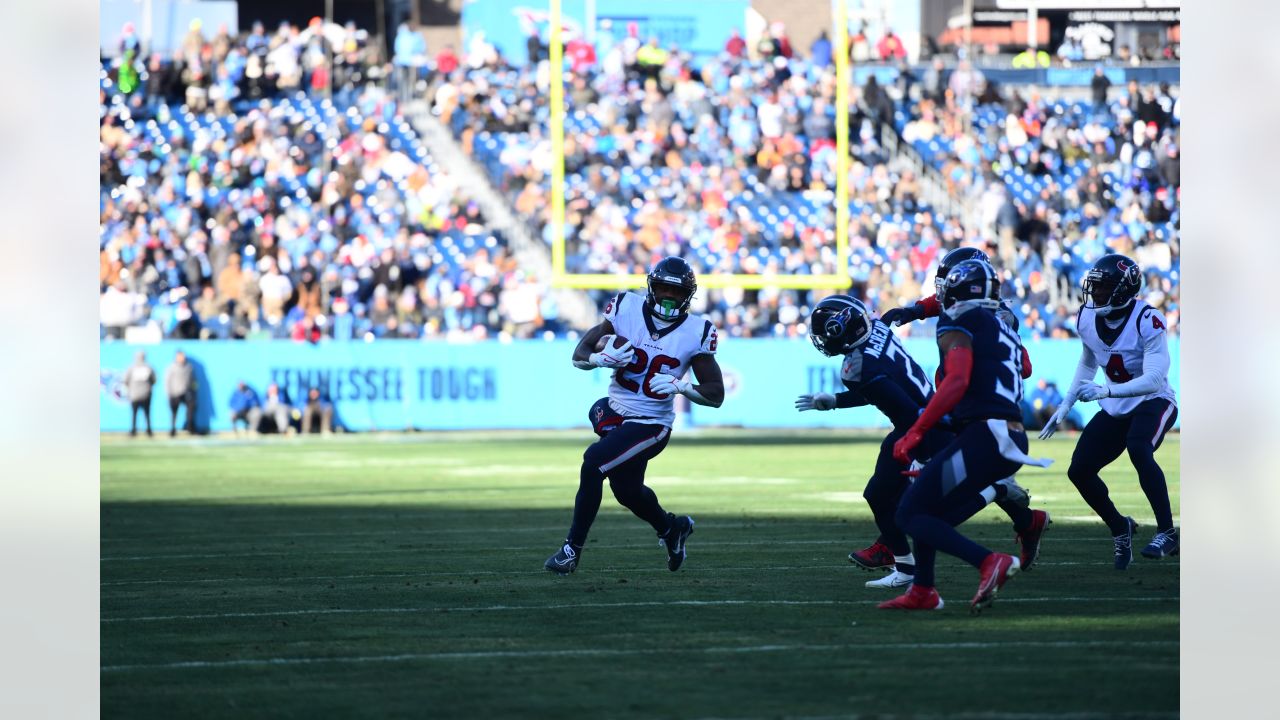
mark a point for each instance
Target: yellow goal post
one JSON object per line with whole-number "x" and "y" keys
{"x": 560, "y": 278}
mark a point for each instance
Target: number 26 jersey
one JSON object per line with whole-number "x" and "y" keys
{"x": 660, "y": 348}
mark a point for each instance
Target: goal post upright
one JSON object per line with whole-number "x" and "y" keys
{"x": 561, "y": 278}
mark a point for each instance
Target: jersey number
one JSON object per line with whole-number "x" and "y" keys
{"x": 1116, "y": 370}
{"x": 893, "y": 349}
{"x": 638, "y": 364}
{"x": 1013, "y": 392}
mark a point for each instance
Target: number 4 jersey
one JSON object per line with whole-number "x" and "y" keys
{"x": 660, "y": 348}
{"x": 1120, "y": 351}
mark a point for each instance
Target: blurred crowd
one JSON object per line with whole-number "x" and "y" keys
{"x": 265, "y": 185}
{"x": 239, "y": 198}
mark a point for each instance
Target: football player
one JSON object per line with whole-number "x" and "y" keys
{"x": 663, "y": 342}
{"x": 932, "y": 306}
{"x": 877, "y": 370}
{"x": 1126, "y": 338}
{"x": 980, "y": 389}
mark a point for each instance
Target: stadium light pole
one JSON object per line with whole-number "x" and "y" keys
{"x": 555, "y": 75}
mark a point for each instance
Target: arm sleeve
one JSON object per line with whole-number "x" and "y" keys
{"x": 1085, "y": 372}
{"x": 893, "y": 401}
{"x": 1155, "y": 368}
{"x": 849, "y": 399}
{"x": 931, "y": 306}
{"x": 959, "y": 368}
{"x": 1026, "y": 363}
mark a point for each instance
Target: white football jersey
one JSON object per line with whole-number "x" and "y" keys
{"x": 1121, "y": 360}
{"x": 659, "y": 349}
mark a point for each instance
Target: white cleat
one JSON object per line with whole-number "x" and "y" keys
{"x": 891, "y": 581}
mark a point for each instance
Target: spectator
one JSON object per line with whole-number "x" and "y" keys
{"x": 735, "y": 47}
{"x": 180, "y": 384}
{"x": 447, "y": 60}
{"x": 138, "y": 380}
{"x": 1043, "y": 402}
{"x": 277, "y": 408}
{"x": 890, "y": 47}
{"x": 534, "y": 47}
{"x": 820, "y": 51}
{"x": 1099, "y": 85}
{"x": 187, "y": 325}
{"x": 410, "y": 58}
{"x": 318, "y": 410}
{"x": 246, "y": 408}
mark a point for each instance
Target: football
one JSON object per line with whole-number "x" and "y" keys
{"x": 615, "y": 341}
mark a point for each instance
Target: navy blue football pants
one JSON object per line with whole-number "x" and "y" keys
{"x": 946, "y": 490}
{"x": 1104, "y": 439}
{"x": 884, "y": 491}
{"x": 622, "y": 456}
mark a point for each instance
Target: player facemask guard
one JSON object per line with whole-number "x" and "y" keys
{"x": 952, "y": 259}
{"x": 970, "y": 284}
{"x": 1111, "y": 284}
{"x": 672, "y": 272}
{"x": 839, "y": 325}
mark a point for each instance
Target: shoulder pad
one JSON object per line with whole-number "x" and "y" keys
{"x": 851, "y": 371}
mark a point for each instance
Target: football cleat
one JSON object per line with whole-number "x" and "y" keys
{"x": 563, "y": 562}
{"x": 876, "y": 557}
{"x": 1164, "y": 544}
{"x": 996, "y": 571}
{"x": 895, "y": 579}
{"x": 674, "y": 540}
{"x": 1124, "y": 545}
{"x": 917, "y": 598}
{"x": 1029, "y": 539}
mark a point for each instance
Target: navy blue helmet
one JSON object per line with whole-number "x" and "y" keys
{"x": 839, "y": 325}
{"x": 970, "y": 281}
{"x": 952, "y": 259}
{"x": 671, "y": 272}
{"x": 1112, "y": 283}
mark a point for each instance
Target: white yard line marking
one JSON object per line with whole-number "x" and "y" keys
{"x": 605, "y": 572}
{"x": 651, "y": 603}
{"x": 764, "y": 545}
{"x": 480, "y": 655}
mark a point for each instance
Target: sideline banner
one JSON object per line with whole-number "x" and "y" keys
{"x": 399, "y": 385}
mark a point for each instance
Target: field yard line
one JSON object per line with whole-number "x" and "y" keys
{"x": 510, "y": 548}
{"x": 394, "y": 576}
{"x": 588, "y": 652}
{"x": 472, "y": 531}
{"x": 1066, "y": 715}
{"x": 649, "y": 603}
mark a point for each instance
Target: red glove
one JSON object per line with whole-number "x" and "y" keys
{"x": 902, "y": 449}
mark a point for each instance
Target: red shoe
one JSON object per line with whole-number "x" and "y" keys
{"x": 996, "y": 571}
{"x": 917, "y": 598}
{"x": 876, "y": 557}
{"x": 1029, "y": 539}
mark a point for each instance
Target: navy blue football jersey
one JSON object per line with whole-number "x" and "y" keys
{"x": 995, "y": 386}
{"x": 881, "y": 373}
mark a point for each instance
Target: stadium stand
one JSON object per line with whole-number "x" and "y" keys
{"x": 216, "y": 201}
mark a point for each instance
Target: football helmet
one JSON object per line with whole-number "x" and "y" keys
{"x": 839, "y": 325}
{"x": 971, "y": 283}
{"x": 952, "y": 259}
{"x": 1111, "y": 284}
{"x": 671, "y": 272}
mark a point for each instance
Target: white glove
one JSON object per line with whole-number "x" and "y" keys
{"x": 664, "y": 384}
{"x": 611, "y": 357}
{"x": 1093, "y": 391}
{"x": 1058, "y": 416}
{"x": 820, "y": 401}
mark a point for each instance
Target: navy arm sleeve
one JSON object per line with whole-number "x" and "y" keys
{"x": 850, "y": 398}
{"x": 893, "y": 401}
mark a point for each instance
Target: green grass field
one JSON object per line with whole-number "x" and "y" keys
{"x": 368, "y": 576}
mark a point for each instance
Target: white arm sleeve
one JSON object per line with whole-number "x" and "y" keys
{"x": 1085, "y": 372}
{"x": 1155, "y": 368}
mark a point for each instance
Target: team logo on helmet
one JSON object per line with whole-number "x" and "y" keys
{"x": 837, "y": 323}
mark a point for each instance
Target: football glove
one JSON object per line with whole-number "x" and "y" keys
{"x": 1058, "y": 416}
{"x": 902, "y": 449}
{"x": 818, "y": 401}
{"x": 664, "y": 384}
{"x": 612, "y": 357}
{"x": 1094, "y": 391}
{"x": 902, "y": 315}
